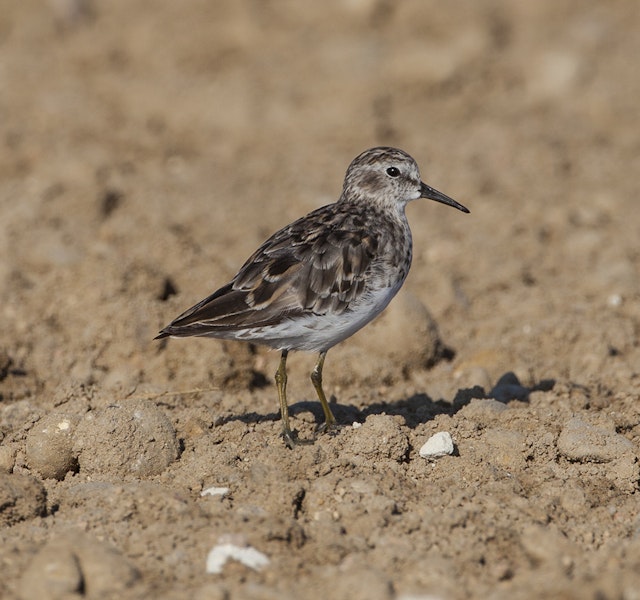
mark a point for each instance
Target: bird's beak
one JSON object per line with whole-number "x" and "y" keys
{"x": 428, "y": 192}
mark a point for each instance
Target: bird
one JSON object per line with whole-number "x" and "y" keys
{"x": 320, "y": 279}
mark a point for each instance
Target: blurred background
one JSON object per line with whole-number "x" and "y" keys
{"x": 148, "y": 147}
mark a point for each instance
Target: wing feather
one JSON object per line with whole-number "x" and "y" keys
{"x": 315, "y": 265}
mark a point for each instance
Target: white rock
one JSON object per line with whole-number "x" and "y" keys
{"x": 215, "y": 491}
{"x": 248, "y": 556}
{"x": 614, "y": 300}
{"x": 439, "y": 444}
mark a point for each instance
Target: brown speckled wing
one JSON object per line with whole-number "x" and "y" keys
{"x": 313, "y": 266}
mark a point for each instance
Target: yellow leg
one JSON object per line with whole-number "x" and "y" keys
{"x": 281, "y": 383}
{"x": 316, "y": 379}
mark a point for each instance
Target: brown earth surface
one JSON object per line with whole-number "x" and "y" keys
{"x": 148, "y": 147}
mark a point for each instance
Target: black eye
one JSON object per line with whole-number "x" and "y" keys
{"x": 393, "y": 171}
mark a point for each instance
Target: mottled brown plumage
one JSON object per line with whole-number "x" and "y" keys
{"x": 321, "y": 278}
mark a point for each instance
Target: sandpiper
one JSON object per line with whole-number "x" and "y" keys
{"x": 320, "y": 279}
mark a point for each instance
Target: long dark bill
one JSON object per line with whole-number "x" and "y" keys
{"x": 428, "y": 192}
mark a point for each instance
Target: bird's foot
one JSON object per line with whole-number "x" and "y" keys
{"x": 292, "y": 440}
{"x": 330, "y": 426}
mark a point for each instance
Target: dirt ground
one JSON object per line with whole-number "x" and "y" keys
{"x": 147, "y": 148}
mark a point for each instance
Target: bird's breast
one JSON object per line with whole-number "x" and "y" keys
{"x": 395, "y": 253}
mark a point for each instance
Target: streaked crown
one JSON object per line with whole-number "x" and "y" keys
{"x": 382, "y": 175}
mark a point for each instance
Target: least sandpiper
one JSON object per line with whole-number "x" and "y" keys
{"x": 320, "y": 279}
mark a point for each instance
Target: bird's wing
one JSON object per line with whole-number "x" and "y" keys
{"x": 313, "y": 266}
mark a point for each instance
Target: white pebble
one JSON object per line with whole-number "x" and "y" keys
{"x": 614, "y": 300}
{"x": 248, "y": 556}
{"x": 439, "y": 444}
{"x": 215, "y": 491}
{"x": 356, "y": 425}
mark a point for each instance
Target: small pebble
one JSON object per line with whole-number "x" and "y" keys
{"x": 614, "y": 300}
{"x": 439, "y": 444}
{"x": 215, "y": 491}
{"x": 248, "y": 556}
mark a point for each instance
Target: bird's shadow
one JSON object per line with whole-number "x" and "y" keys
{"x": 415, "y": 410}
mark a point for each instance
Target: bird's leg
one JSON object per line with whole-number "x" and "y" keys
{"x": 316, "y": 379}
{"x": 281, "y": 383}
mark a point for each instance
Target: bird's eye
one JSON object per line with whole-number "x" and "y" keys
{"x": 393, "y": 171}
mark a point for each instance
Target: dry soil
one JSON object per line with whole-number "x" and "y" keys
{"x": 146, "y": 148}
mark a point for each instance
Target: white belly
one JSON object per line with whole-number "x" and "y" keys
{"x": 318, "y": 333}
